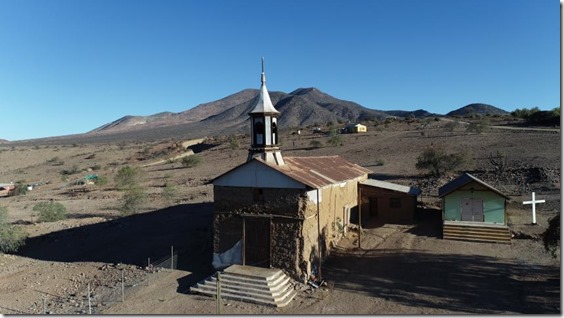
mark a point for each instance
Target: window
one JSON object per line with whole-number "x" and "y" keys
{"x": 259, "y": 133}
{"x": 258, "y": 195}
{"x": 395, "y": 203}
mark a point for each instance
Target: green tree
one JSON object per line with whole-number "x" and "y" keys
{"x": 132, "y": 201}
{"x": 50, "y": 211}
{"x": 127, "y": 177}
{"x": 12, "y": 237}
{"x": 191, "y": 161}
{"x": 437, "y": 162}
{"x": 233, "y": 142}
{"x": 335, "y": 140}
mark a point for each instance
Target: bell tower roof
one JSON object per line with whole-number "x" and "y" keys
{"x": 264, "y": 104}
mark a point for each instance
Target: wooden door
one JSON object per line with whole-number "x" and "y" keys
{"x": 373, "y": 206}
{"x": 472, "y": 210}
{"x": 257, "y": 242}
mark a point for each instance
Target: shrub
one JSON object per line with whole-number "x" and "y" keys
{"x": 74, "y": 169}
{"x": 316, "y": 144}
{"x": 101, "y": 181}
{"x": 50, "y": 211}
{"x": 191, "y": 161}
{"x": 169, "y": 192}
{"x": 551, "y": 237}
{"x": 127, "y": 177}
{"x": 452, "y": 125}
{"x": 479, "y": 126}
{"x": 132, "y": 201}
{"x": 20, "y": 189}
{"x": 438, "y": 162}
{"x": 233, "y": 142}
{"x": 12, "y": 237}
{"x": 335, "y": 140}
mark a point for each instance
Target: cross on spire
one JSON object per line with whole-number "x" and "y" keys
{"x": 534, "y": 202}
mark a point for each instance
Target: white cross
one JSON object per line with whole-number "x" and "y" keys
{"x": 534, "y": 202}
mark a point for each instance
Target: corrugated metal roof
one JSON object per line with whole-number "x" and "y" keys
{"x": 391, "y": 186}
{"x": 317, "y": 172}
{"x": 464, "y": 179}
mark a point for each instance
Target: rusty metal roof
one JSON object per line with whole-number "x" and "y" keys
{"x": 317, "y": 172}
{"x": 392, "y": 186}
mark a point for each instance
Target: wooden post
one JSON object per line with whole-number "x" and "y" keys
{"x": 123, "y": 285}
{"x": 359, "y": 215}
{"x": 171, "y": 258}
{"x": 218, "y": 293}
{"x": 319, "y": 236}
{"x": 244, "y": 245}
{"x": 89, "y": 304}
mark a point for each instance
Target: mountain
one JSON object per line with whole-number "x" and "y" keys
{"x": 420, "y": 113}
{"x": 302, "y": 107}
{"x": 477, "y": 109}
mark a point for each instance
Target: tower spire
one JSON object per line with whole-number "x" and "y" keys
{"x": 264, "y": 127}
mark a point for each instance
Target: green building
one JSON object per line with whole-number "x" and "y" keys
{"x": 473, "y": 210}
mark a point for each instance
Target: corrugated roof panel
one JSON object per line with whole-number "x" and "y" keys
{"x": 391, "y": 186}
{"x": 318, "y": 172}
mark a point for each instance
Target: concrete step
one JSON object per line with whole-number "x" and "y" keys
{"x": 252, "y": 284}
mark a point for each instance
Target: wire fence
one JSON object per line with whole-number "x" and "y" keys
{"x": 91, "y": 295}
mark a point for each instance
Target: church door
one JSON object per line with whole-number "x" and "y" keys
{"x": 257, "y": 242}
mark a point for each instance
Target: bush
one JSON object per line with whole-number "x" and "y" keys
{"x": 74, "y": 169}
{"x": 191, "y": 161}
{"x": 12, "y": 237}
{"x": 233, "y": 142}
{"x": 479, "y": 126}
{"x": 169, "y": 193}
{"x": 101, "y": 181}
{"x": 20, "y": 189}
{"x": 132, "y": 201}
{"x": 335, "y": 140}
{"x": 50, "y": 211}
{"x": 438, "y": 162}
{"x": 127, "y": 177}
{"x": 551, "y": 237}
{"x": 316, "y": 144}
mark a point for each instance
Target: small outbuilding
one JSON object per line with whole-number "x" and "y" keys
{"x": 355, "y": 128}
{"x": 388, "y": 202}
{"x": 474, "y": 209}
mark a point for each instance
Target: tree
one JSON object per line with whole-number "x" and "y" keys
{"x": 50, "y": 211}
{"x": 438, "y": 162}
{"x": 335, "y": 140}
{"x": 551, "y": 237}
{"x": 127, "y": 177}
{"x": 132, "y": 201}
{"x": 233, "y": 142}
{"x": 12, "y": 237}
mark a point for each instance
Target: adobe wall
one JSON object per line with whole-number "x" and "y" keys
{"x": 405, "y": 214}
{"x": 334, "y": 199}
{"x": 286, "y": 229}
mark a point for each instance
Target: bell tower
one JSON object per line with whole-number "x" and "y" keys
{"x": 264, "y": 128}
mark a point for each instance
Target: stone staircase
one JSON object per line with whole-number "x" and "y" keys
{"x": 477, "y": 232}
{"x": 267, "y": 286}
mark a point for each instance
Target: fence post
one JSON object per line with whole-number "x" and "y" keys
{"x": 171, "y": 258}
{"x": 123, "y": 285}
{"x": 89, "y": 304}
{"x": 218, "y": 294}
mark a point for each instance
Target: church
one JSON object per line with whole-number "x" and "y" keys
{"x": 281, "y": 212}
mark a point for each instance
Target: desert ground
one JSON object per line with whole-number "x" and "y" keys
{"x": 400, "y": 269}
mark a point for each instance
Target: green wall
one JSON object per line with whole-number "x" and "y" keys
{"x": 494, "y": 207}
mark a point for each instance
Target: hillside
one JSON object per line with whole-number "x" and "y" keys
{"x": 302, "y": 107}
{"x": 477, "y": 109}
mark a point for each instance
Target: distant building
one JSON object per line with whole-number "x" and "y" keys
{"x": 6, "y": 189}
{"x": 282, "y": 212}
{"x": 354, "y": 128}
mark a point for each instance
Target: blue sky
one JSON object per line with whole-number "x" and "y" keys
{"x": 69, "y": 66}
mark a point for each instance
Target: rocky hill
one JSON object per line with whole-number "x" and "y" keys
{"x": 302, "y": 107}
{"x": 477, "y": 109}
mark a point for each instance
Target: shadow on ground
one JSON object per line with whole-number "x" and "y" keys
{"x": 460, "y": 283}
{"x": 134, "y": 239}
